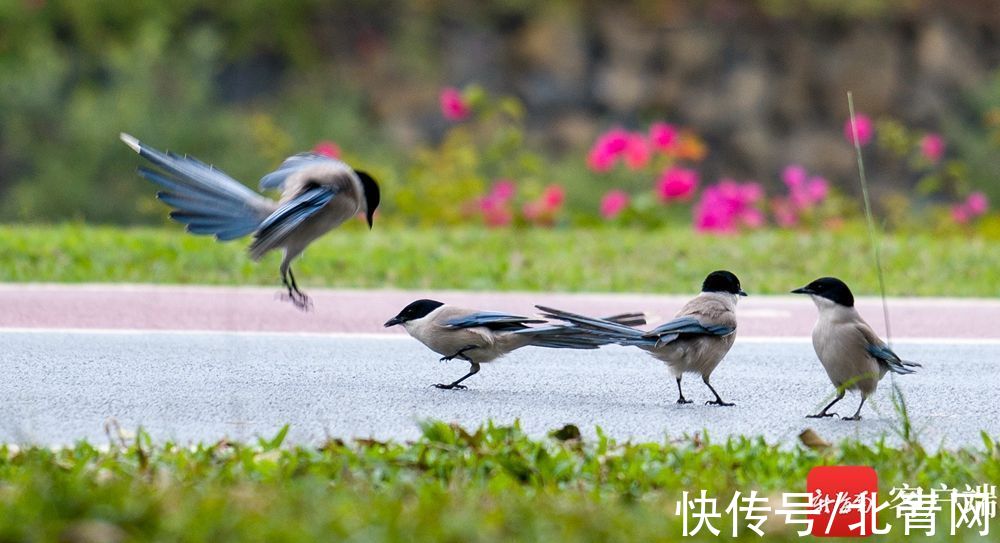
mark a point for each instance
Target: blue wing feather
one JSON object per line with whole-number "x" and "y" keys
{"x": 289, "y": 216}
{"x": 492, "y": 320}
{"x": 896, "y": 365}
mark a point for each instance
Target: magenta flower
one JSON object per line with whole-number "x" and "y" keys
{"x": 453, "y": 105}
{"x": 865, "y": 128}
{"x": 613, "y": 203}
{"x": 977, "y": 204}
{"x": 932, "y": 147}
{"x": 664, "y": 137}
{"x": 794, "y": 176}
{"x": 727, "y": 206}
{"x": 637, "y": 152}
{"x": 553, "y": 197}
{"x": 677, "y": 184}
{"x": 606, "y": 150}
{"x": 327, "y": 148}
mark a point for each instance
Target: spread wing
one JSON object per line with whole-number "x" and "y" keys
{"x": 276, "y": 179}
{"x": 276, "y": 227}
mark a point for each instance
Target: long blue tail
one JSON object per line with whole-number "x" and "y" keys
{"x": 583, "y": 332}
{"x": 207, "y": 200}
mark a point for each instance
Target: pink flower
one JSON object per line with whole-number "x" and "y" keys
{"x": 553, "y": 197}
{"x": 606, "y": 150}
{"x": 794, "y": 176}
{"x": 932, "y": 147}
{"x": 637, "y": 152}
{"x": 664, "y": 137}
{"x": 613, "y": 203}
{"x": 976, "y": 203}
{"x": 495, "y": 212}
{"x": 503, "y": 190}
{"x": 960, "y": 214}
{"x": 677, "y": 184}
{"x": 600, "y": 160}
{"x": 818, "y": 189}
{"x": 728, "y": 205}
{"x": 327, "y": 148}
{"x": 453, "y": 105}
{"x": 864, "y": 126}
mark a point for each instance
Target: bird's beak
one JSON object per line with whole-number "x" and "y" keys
{"x": 803, "y": 290}
{"x": 742, "y": 292}
{"x": 393, "y": 322}
{"x": 370, "y": 216}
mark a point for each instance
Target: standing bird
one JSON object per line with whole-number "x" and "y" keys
{"x": 484, "y": 336}
{"x": 852, "y": 354}
{"x": 317, "y": 194}
{"x": 695, "y": 341}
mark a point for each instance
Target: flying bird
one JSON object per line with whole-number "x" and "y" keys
{"x": 854, "y": 357}
{"x": 318, "y": 193}
{"x": 479, "y": 337}
{"x": 695, "y": 341}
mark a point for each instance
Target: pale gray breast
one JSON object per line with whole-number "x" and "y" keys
{"x": 841, "y": 348}
{"x": 701, "y": 354}
{"x": 432, "y": 332}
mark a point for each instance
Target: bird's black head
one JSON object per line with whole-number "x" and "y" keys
{"x": 722, "y": 281}
{"x": 831, "y": 288}
{"x": 416, "y": 310}
{"x": 372, "y": 194}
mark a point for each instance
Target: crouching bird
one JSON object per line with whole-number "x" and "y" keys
{"x": 852, "y": 354}
{"x": 484, "y": 336}
{"x": 318, "y": 193}
{"x": 695, "y": 341}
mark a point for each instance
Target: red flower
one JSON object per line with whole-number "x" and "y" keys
{"x": 677, "y": 184}
{"x": 327, "y": 148}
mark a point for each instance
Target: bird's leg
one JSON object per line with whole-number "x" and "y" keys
{"x": 857, "y": 414}
{"x": 680, "y": 393}
{"x": 823, "y": 414}
{"x": 459, "y": 354}
{"x": 718, "y": 399}
{"x": 296, "y": 296}
{"x": 474, "y": 369}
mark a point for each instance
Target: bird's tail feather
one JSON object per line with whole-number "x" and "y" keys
{"x": 572, "y": 336}
{"x": 205, "y": 199}
{"x": 605, "y": 330}
{"x": 902, "y": 367}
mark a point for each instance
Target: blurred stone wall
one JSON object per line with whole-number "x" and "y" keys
{"x": 762, "y": 89}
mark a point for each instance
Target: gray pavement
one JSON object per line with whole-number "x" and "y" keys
{"x": 61, "y": 386}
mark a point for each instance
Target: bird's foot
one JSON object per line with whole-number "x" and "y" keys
{"x": 452, "y": 386}
{"x": 446, "y": 358}
{"x": 683, "y": 401}
{"x": 298, "y": 299}
{"x": 821, "y": 415}
{"x": 720, "y": 403}
{"x": 855, "y": 417}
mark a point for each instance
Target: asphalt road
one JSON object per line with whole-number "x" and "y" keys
{"x": 61, "y": 386}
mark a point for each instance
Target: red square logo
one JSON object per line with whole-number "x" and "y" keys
{"x": 844, "y": 499}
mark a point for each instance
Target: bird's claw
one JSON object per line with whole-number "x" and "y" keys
{"x": 719, "y": 403}
{"x": 682, "y": 401}
{"x": 855, "y": 417}
{"x": 298, "y": 299}
{"x": 821, "y": 415}
{"x": 450, "y": 387}
{"x": 446, "y": 358}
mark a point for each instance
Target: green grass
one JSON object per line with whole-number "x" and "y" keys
{"x": 493, "y": 484}
{"x": 615, "y": 260}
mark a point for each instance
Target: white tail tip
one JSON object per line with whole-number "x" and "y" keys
{"x": 130, "y": 141}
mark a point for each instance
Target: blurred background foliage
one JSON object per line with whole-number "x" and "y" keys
{"x": 243, "y": 84}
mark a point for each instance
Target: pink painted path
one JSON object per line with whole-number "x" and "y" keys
{"x": 255, "y": 309}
